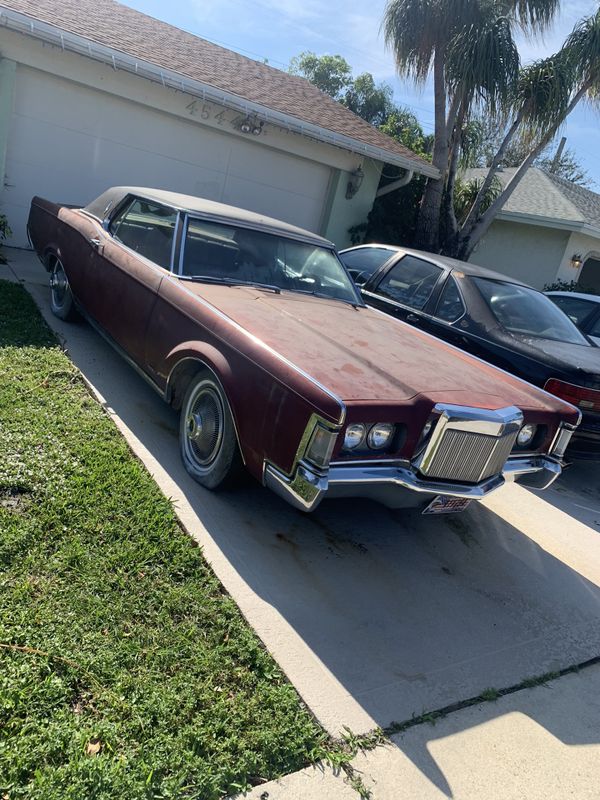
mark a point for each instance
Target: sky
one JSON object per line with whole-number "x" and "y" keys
{"x": 277, "y": 30}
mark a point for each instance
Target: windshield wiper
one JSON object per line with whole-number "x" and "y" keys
{"x": 329, "y": 297}
{"x": 229, "y": 282}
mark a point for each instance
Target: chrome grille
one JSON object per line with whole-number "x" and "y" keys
{"x": 470, "y": 457}
{"x": 468, "y": 445}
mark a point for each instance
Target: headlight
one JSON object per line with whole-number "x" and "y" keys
{"x": 380, "y": 435}
{"x": 525, "y": 435}
{"x": 354, "y": 436}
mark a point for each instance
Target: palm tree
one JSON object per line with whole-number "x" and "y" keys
{"x": 469, "y": 48}
{"x": 545, "y": 95}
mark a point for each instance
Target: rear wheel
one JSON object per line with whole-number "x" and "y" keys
{"x": 61, "y": 298}
{"x": 207, "y": 439}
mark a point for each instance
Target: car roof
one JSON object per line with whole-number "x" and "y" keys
{"x": 467, "y": 268}
{"x": 208, "y": 208}
{"x": 580, "y": 295}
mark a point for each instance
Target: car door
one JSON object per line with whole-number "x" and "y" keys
{"x": 406, "y": 290}
{"x": 125, "y": 272}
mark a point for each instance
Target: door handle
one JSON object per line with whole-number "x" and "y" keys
{"x": 96, "y": 243}
{"x": 412, "y": 318}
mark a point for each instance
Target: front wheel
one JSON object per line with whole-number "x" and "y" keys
{"x": 61, "y": 298}
{"x": 207, "y": 439}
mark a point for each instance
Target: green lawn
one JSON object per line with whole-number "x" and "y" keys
{"x": 125, "y": 669}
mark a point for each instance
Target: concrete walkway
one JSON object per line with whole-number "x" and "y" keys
{"x": 538, "y": 744}
{"x": 377, "y": 616}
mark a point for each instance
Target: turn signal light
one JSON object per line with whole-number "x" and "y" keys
{"x": 586, "y": 399}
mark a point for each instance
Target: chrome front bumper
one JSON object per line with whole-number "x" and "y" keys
{"x": 397, "y": 483}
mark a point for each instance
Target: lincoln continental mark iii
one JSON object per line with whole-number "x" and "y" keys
{"x": 253, "y": 329}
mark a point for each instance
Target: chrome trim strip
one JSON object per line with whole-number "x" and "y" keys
{"x": 174, "y": 244}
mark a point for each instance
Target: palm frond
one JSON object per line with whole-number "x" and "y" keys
{"x": 483, "y": 59}
{"x": 544, "y": 90}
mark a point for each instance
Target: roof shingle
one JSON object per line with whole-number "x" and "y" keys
{"x": 114, "y": 25}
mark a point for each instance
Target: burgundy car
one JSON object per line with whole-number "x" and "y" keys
{"x": 255, "y": 331}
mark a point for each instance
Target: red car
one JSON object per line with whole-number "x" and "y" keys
{"x": 255, "y": 331}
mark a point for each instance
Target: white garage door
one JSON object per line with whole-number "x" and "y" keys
{"x": 68, "y": 143}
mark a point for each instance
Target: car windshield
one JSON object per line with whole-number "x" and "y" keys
{"x": 525, "y": 312}
{"x": 220, "y": 253}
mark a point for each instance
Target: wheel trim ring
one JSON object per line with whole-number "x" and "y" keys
{"x": 204, "y": 402}
{"x": 59, "y": 284}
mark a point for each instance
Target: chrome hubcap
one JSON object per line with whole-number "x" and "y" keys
{"x": 204, "y": 426}
{"x": 58, "y": 284}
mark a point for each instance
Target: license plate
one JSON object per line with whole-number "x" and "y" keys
{"x": 447, "y": 505}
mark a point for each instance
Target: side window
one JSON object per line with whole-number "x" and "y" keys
{"x": 365, "y": 261}
{"x": 410, "y": 282}
{"x": 574, "y": 307}
{"x": 147, "y": 228}
{"x": 450, "y": 306}
{"x": 595, "y": 329}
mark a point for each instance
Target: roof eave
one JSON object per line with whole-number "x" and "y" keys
{"x": 72, "y": 42}
{"x": 542, "y": 221}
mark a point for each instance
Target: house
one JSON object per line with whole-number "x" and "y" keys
{"x": 549, "y": 230}
{"x": 94, "y": 94}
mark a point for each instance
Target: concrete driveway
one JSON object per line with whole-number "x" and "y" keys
{"x": 374, "y": 615}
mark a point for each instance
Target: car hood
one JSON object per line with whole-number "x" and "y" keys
{"x": 361, "y": 354}
{"x": 574, "y": 359}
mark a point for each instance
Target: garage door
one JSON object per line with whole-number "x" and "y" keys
{"x": 68, "y": 143}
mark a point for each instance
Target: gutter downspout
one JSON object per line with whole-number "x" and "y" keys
{"x": 391, "y": 187}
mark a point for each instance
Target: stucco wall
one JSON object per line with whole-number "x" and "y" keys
{"x": 340, "y": 213}
{"x": 531, "y": 253}
{"x": 579, "y": 244}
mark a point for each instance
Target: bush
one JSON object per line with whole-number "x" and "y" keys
{"x": 5, "y": 232}
{"x": 569, "y": 286}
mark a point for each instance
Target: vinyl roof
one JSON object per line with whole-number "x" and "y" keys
{"x": 208, "y": 208}
{"x": 113, "y": 25}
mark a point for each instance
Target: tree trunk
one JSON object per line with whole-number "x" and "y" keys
{"x": 473, "y": 214}
{"x": 450, "y": 242}
{"x": 469, "y": 241}
{"x": 428, "y": 223}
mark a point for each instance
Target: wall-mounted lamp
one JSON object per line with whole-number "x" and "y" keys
{"x": 250, "y": 125}
{"x": 576, "y": 260}
{"x": 355, "y": 182}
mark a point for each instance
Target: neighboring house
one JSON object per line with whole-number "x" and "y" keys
{"x": 548, "y": 230}
{"x": 94, "y": 94}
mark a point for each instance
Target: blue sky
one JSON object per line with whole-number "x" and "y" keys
{"x": 277, "y": 30}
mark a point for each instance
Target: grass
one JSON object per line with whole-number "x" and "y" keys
{"x": 125, "y": 669}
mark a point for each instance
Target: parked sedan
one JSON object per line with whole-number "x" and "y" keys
{"x": 582, "y": 309}
{"x": 255, "y": 331}
{"x": 496, "y": 318}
